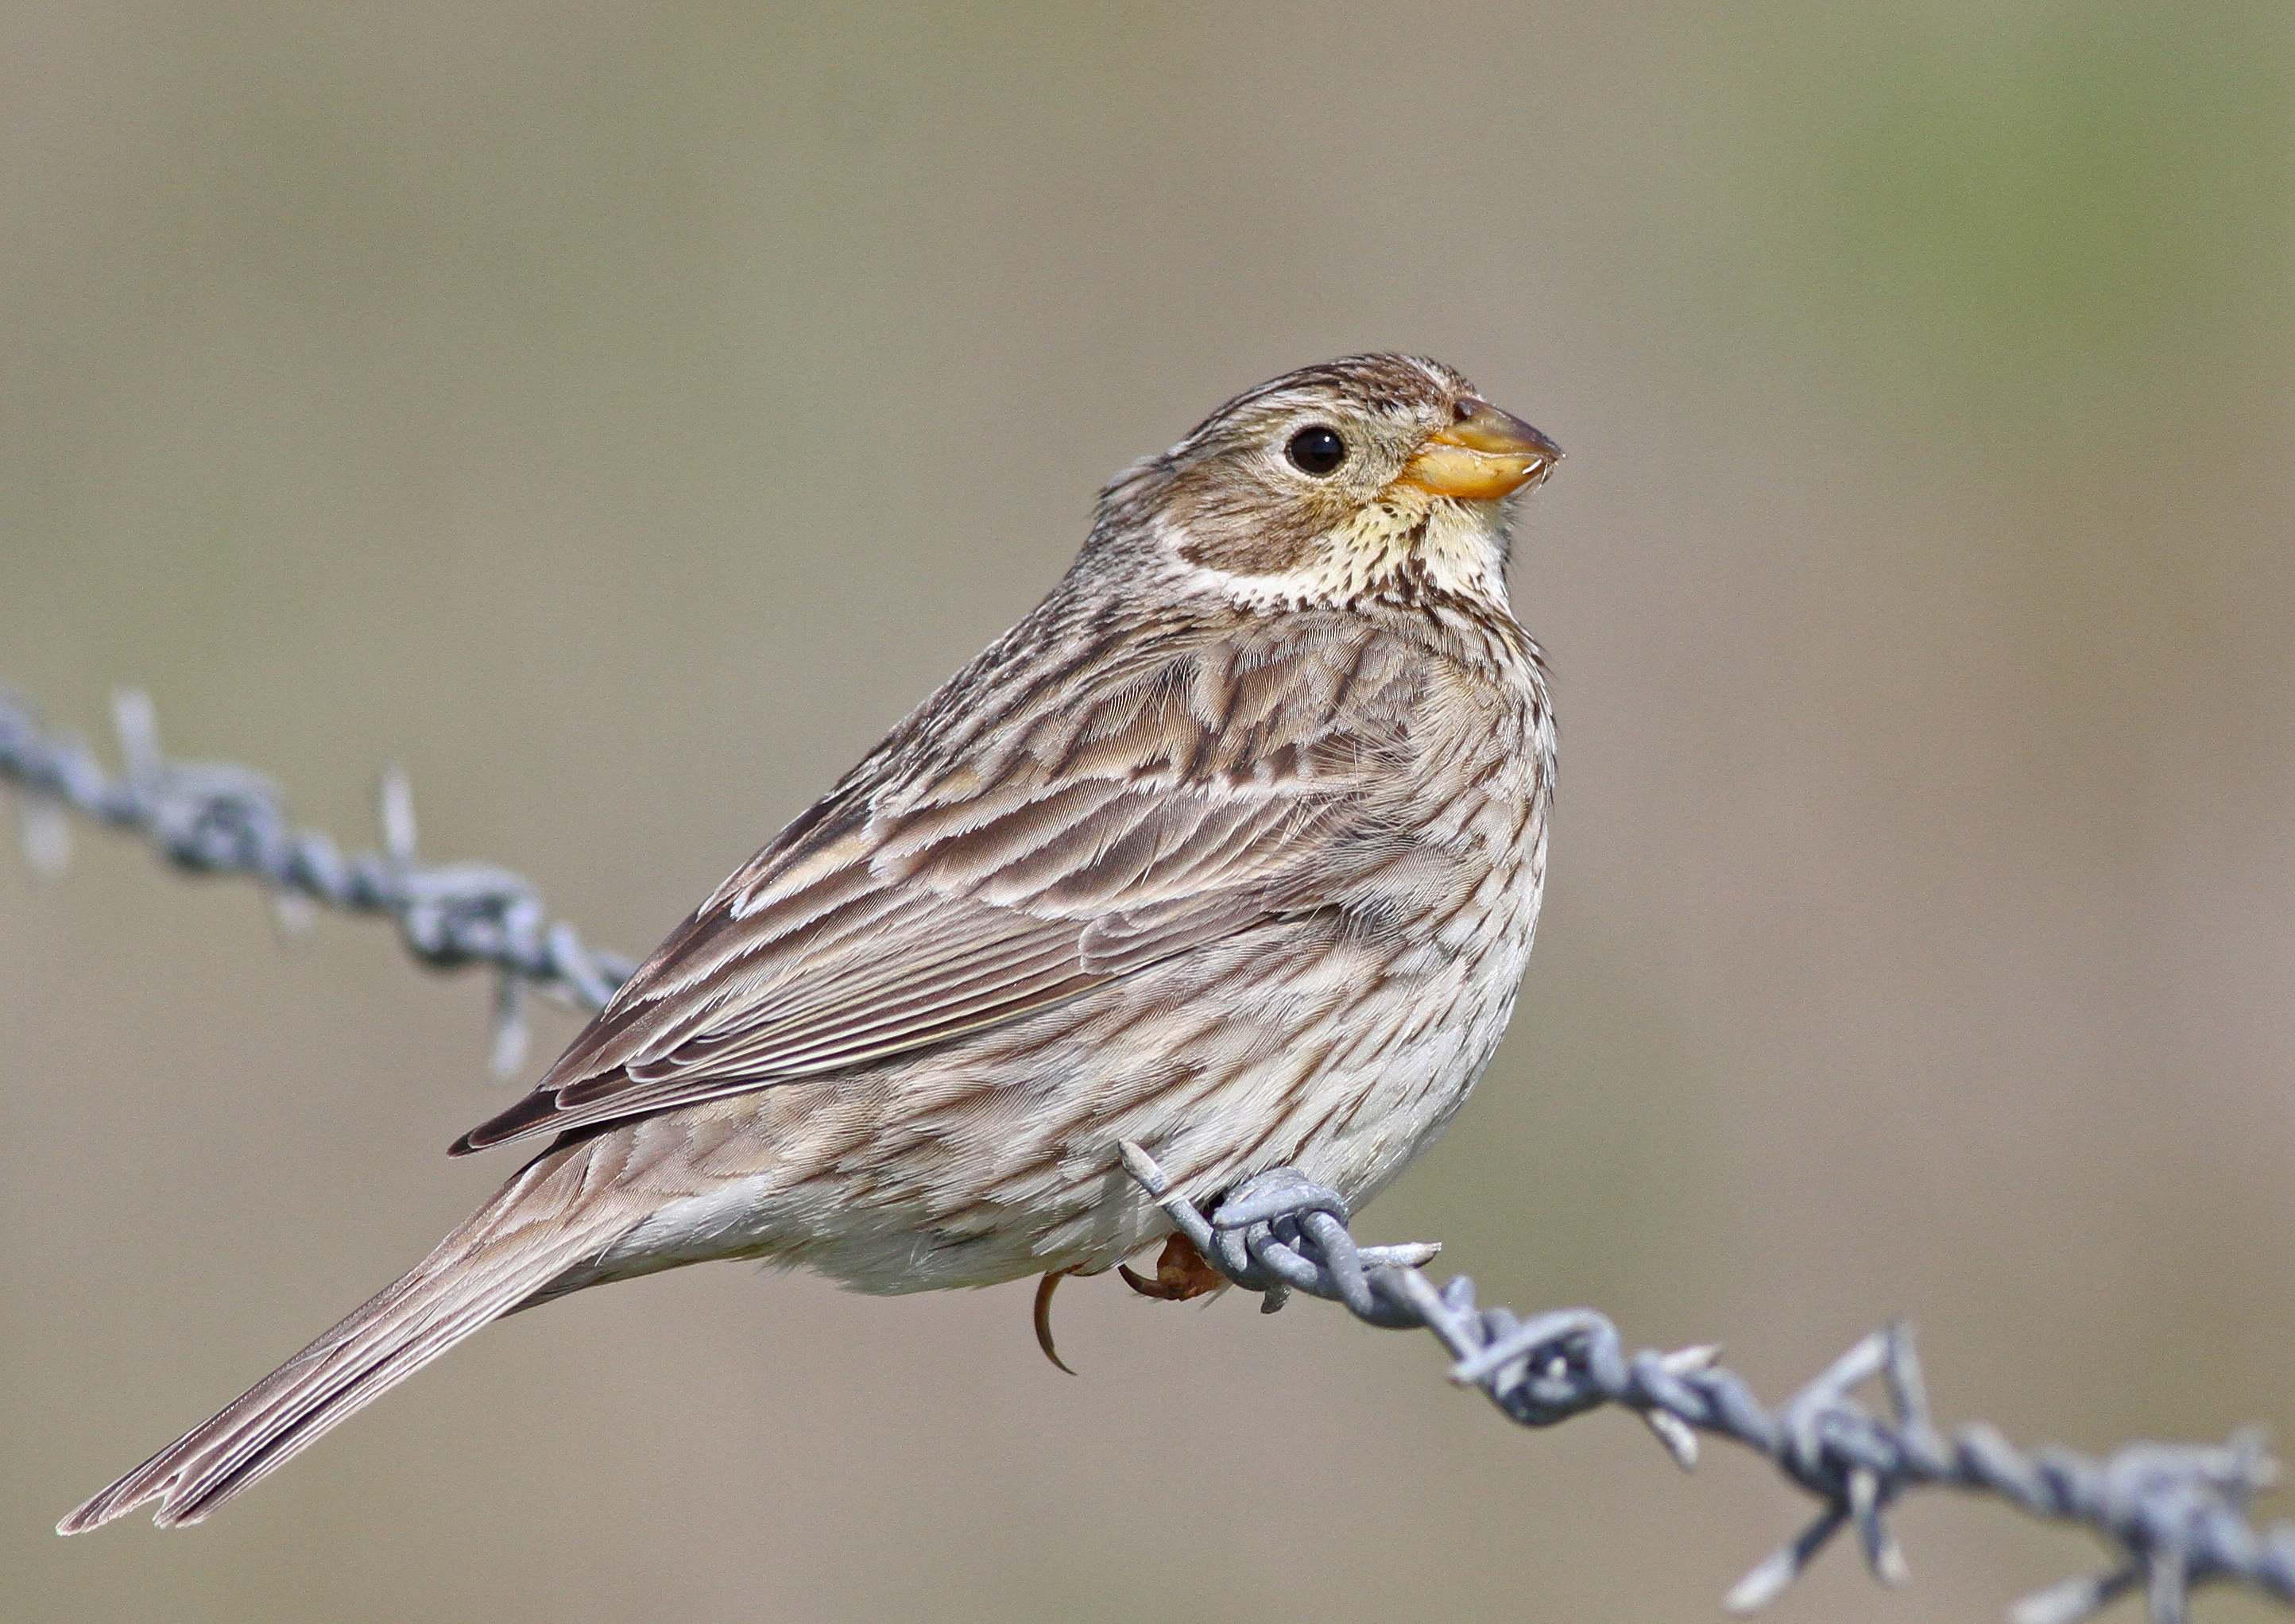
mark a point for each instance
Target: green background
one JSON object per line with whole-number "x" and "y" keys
{"x": 620, "y": 413}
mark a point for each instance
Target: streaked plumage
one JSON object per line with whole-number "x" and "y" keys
{"x": 1232, "y": 847}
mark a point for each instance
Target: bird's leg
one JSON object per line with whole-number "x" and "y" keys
{"x": 1180, "y": 1273}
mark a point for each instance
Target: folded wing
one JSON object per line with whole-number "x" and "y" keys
{"x": 1185, "y": 793}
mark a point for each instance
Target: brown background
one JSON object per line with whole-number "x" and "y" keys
{"x": 619, "y": 414}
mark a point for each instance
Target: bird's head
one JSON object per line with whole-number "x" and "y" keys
{"x": 1372, "y": 476}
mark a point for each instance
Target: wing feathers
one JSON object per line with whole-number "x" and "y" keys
{"x": 1161, "y": 797}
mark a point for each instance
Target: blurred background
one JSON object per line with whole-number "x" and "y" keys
{"x": 619, "y": 414}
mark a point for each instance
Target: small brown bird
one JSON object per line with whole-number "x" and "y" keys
{"x": 1232, "y": 847}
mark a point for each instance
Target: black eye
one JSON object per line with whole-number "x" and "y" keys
{"x": 1316, "y": 450}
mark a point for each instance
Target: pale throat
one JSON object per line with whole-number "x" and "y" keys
{"x": 1408, "y": 541}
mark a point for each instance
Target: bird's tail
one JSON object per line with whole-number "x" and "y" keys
{"x": 537, "y": 1227}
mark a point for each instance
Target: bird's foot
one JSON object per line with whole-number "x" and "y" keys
{"x": 1180, "y": 1273}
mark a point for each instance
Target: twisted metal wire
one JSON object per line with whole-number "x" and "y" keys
{"x": 209, "y": 818}
{"x": 2175, "y": 1515}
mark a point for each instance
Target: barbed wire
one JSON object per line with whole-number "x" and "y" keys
{"x": 212, "y": 818}
{"x": 2175, "y": 1515}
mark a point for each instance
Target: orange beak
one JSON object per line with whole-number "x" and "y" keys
{"x": 1486, "y": 454}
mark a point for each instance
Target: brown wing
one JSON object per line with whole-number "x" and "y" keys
{"x": 1153, "y": 798}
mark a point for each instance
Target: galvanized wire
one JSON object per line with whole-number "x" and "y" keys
{"x": 2175, "y": 1516}
{"x": 207, "y": 817}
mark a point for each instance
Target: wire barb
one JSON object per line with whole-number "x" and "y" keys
{"x": 2176, "y": 1514}
{"x": 205, "y": 818}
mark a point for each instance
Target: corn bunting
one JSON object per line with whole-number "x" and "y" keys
{"x": 1232, "y": 847}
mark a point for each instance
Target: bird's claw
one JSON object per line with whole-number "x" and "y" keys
{"x": 1042, "y": 1316}
{"x": 1181, "y": 1274}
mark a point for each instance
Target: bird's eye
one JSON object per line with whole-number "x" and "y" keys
{"x": 1316, "y": 450}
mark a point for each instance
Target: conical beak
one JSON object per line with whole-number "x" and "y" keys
{"x": 1486, "y": 454}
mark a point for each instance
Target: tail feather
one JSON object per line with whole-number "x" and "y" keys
{"x": 533, "y": 1230}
